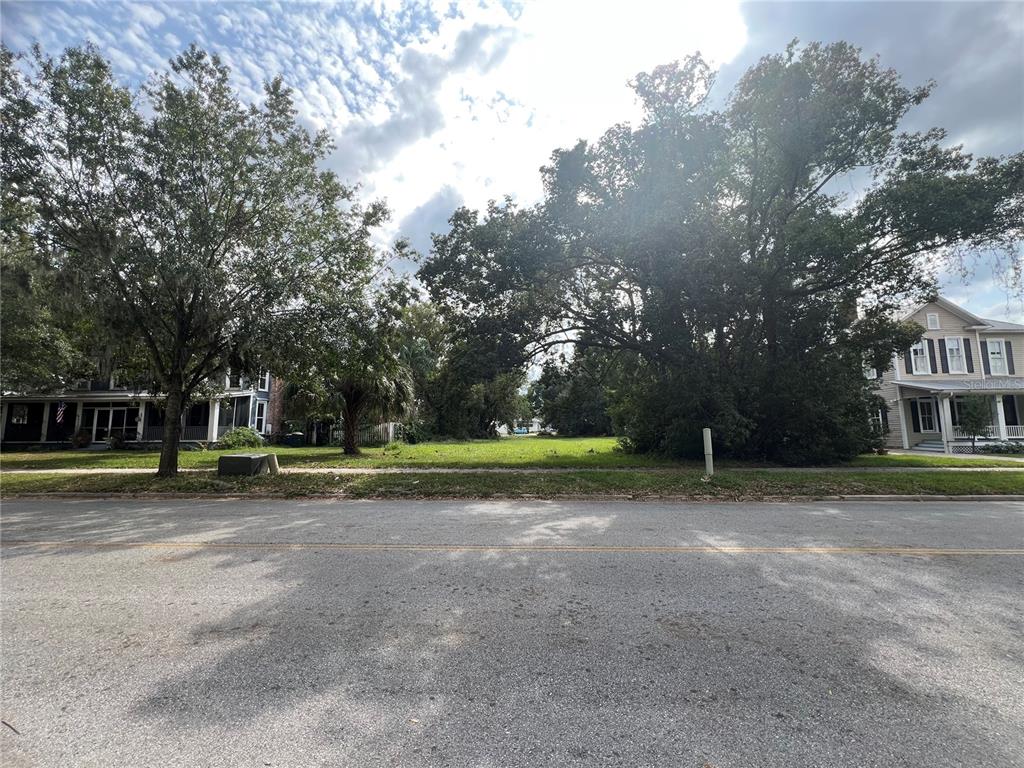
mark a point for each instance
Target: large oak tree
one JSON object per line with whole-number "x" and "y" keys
{"x": 722, "y": 248}
{"x": 194, "y": 218}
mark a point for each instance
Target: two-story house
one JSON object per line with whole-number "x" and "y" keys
{"x": 959, "y": 355}
{"x": 102, "y": 409}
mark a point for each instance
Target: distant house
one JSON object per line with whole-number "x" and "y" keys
{"x": 960, "y": 354}
{"x": 523, "y": 426}
{"x": 102, "y": 409}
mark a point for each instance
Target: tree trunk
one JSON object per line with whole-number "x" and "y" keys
{"x": 350, "y": 432}
{"x": 172, "y": 434}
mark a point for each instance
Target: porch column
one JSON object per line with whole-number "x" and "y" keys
{"x": 901, "y": 409}
{"x": 1000, "y": 418}
{"x": 946, "y": 414}
{"x": 3, "y": 419}
{"x": 211, "y": 431}
{"x": 46, "y": 421}
{"x": 79, "y": 406}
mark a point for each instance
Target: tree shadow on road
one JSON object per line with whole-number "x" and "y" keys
{"x": 527, "y": 657}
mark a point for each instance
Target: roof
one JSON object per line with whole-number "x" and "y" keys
{"x": 1002, "y": 325}
{"x": 949, "y": 306}
{"x": 998, "y": 384}
{"x": 981, "y": 323}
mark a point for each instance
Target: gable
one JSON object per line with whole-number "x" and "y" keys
{"x": 949, "y": 320}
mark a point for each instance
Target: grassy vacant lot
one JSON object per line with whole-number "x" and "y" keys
{"x": 557, "y": 452}
{"x": 471, "y": 454}
{"x": 725, "y": 485}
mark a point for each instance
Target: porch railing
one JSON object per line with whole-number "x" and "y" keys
{"x": 200, "y": 432}
{"x": 992, "y": 432}
{"x": 191, "y": 433}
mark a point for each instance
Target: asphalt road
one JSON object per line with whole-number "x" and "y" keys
{"x": 287, "y": 633}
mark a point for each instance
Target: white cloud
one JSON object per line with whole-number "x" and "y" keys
{"x": 559, "y": 74}
{"x": 147, "y": 15}
{"x": 428, "y": 106}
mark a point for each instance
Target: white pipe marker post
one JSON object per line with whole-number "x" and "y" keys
{"x": 709, "y": 459}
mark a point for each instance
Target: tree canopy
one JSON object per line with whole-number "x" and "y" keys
{"x": 194, "y": 220}
{"x": 352, "y": 366}
{"x": 716, "y": 245}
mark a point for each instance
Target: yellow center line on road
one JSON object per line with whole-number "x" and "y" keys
{"x": 563, "y": 548}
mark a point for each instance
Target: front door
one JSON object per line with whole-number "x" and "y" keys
{"x": 111, "y": 421}
{"x": 101, "y": 425}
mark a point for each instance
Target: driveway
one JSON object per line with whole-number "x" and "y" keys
{"x": 285, "y": 633}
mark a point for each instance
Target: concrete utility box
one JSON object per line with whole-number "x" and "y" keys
{"x": 244, "y": 464}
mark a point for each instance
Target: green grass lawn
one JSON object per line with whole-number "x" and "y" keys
{"x": 900, "y": 460}
{"x": 563, "y": 452}
{"x": 639, "y": 484}
{"x": 553, "y": 452}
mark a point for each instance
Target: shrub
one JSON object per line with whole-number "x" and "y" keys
{"x": 1007, "y": 447}
{"x": 241, "y": 437}
{"x": 413, "y": 432}
{"x": 81, "y": 439}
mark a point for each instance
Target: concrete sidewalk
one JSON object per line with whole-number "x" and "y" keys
{"x": 507, "y": 470}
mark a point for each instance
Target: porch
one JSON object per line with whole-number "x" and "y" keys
{"x": 125, "y": 419}
{"x": 929, "y": 414}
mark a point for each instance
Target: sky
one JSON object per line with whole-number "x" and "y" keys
{"x": 435, "y": 104}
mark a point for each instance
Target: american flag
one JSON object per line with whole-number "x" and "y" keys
{"x": 60, "y": 412}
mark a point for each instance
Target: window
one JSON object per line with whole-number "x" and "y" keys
{"x": 261, "y": 415}
{"x": 926, "y": 412}
{"x": 997, "y": 357}
{"x": 919, "y": 359}
{"x": 870, "y": 373}
{"x": 955, "y": 354}
{"x": 265, "y": 380}
{"x": 933, "y": 321}
{"x": 19, "y": 414}
{"x": 234, "y": 380}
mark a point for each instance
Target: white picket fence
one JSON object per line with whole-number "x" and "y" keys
{"x": 372, "y": 434}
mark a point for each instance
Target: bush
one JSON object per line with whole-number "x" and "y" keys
{"x": 1007, "y": 447}
{"x": 413, "y": 432}
{"x": 241, "y": 437}
{"x": 81, "y": 439}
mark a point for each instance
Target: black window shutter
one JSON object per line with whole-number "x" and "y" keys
{"x": 933, "y": 366}
{"x": 914, "y": 416}
{"x": 1010, "y": 410}
{"x": 908, "y": 363}
{"x": 968, "y": 355}
{"x": 1009, "y": 358}
{"x": 942, "y": 356}
{"x": 984, "y": 358}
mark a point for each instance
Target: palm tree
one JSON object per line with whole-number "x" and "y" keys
{"x": 384, "y": 391}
